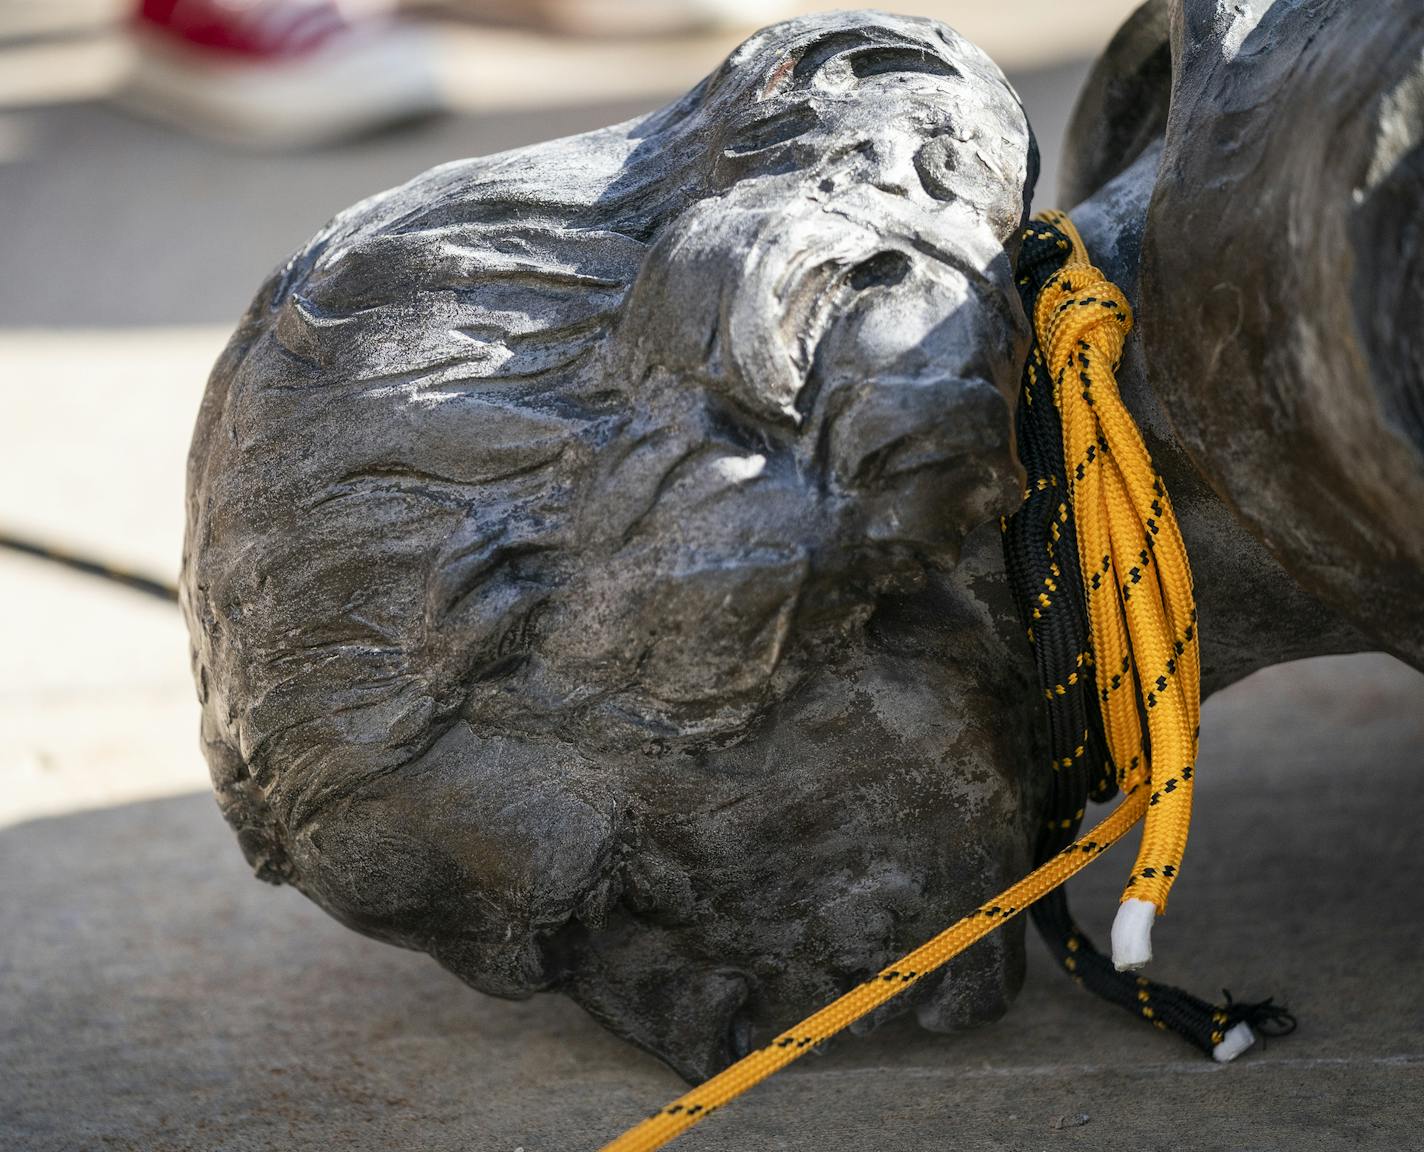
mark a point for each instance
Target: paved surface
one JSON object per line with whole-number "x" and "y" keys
{"x": 154, "y": 997}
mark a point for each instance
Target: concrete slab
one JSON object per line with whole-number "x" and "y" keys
{"x": 96, "y": 703}
{"x": 155, "y": 997}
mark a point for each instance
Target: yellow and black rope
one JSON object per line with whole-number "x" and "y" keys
{"x": 1045, "y": 566}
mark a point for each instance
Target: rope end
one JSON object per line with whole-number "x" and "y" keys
{"x": 1132, "y": 934}
{"x": 1238, "y": 1038}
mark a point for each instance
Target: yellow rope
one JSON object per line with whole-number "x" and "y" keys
{"x": 1143, "y": 625}
{"x": 688, "y": 1109}
{"x": 1137, "y": 583}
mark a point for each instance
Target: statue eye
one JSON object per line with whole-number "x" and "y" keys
{"x": 883, "y": 270}
{"x": 849, "y": 49}
{"x": 881, "y": 61}
{"x": 770, "y": 131}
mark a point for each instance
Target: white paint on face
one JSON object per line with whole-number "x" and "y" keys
{"x": 738, "y": 469}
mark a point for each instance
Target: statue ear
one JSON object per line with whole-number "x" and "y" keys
{"x": 1123, "y": 105}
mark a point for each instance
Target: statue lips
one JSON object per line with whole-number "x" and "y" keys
{"x": 930, "y": 458}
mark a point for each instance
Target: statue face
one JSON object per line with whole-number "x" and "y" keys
{"x": 574, "y": 548}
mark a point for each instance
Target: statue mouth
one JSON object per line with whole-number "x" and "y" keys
{"x": 928, "y": 460}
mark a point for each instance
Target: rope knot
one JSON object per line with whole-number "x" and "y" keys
{"x": 1137, "y": 581}
{"x": 1082, "y": 312}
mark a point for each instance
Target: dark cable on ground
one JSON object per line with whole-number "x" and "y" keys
{"x": 122, "y": 576}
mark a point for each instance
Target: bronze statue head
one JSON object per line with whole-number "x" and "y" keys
{"x": 573, "y": 538}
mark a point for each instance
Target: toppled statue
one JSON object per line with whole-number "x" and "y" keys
{"x": 593, "y": 562}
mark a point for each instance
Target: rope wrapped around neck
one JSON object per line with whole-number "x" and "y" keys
{"x": 1138, "y": 585}
{"x": 1118, "y": 644}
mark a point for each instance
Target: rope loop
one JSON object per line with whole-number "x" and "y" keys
{"x": 1081, "y": 306}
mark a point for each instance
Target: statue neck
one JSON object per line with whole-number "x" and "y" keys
{"x": 1252, "y": 612}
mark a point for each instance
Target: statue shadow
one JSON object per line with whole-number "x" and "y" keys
{"x": 154, "y": 996}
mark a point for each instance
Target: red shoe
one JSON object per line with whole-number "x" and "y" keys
{"x": 277, "y": 72}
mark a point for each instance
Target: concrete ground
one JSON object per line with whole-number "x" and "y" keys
{"x": 156, "y": 998}
{"x": 153, "y": 996}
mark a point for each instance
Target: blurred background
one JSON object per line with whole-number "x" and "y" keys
{"x": 157, "y": 160}
{"x": 154, "y": 997}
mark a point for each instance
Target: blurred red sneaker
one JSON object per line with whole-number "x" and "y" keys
{"x": 277, "y": 73}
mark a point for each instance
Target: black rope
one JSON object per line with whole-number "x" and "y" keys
{"x": 145, "y": 584}
{"x": 1041, "y": 556}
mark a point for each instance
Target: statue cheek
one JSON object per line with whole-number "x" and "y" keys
{"x": 479, "y": 850}
{"x": 369, "y": 873}
{"x": 725, "y": 627}
{"x": 700, "y": 629}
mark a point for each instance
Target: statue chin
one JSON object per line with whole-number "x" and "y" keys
{"x": 768, "y": 876}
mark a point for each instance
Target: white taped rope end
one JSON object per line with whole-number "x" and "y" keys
{"x": 1238, "y": 1038}
{"x": 1132, "y": 934}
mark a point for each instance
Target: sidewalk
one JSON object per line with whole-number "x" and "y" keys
{"x": 156, "y": 998}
